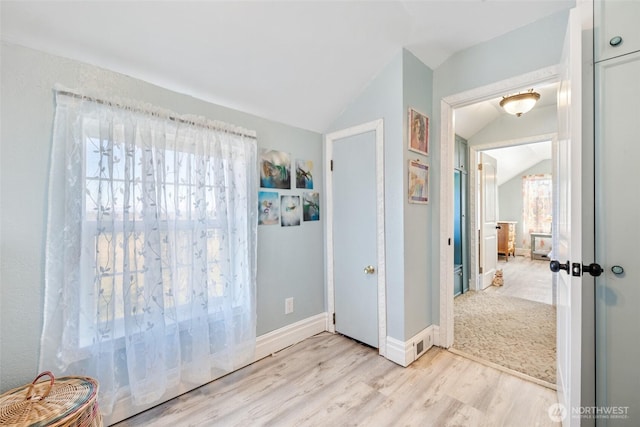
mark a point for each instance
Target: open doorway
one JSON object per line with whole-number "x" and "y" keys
{"x": 525, "y": 213}
{"x": 508, "y": 318}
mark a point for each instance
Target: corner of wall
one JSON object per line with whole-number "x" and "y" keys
{"x": 405, "y": 353}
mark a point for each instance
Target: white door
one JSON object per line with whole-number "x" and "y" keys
{"x": 356, "y": 232}
{"x": 488, "y": 219}
{"x": 568, "y": 210}
{"x": 617, "y": 233}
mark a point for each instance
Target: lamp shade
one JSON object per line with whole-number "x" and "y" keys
{"x": 520, "y": 103}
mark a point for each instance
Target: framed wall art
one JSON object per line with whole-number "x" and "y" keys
{"x": 418, "y": 182}
{"x": 418, "y": 132}
{"x": 310, "y": 206}
{"x": 304, "y": 174}
{"x": 290, "y": 211}
{"x": 275, "y": 169}
{"x": 268, "y": 208}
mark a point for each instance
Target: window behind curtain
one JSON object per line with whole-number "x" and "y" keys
{"x": 151, "y": 250}
{"x": 536, "y": 205}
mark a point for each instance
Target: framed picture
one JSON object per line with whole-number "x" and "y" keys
{"x": 418, "y": 182}
{"x": 290, "y": 211}
{"x": 268, "y": 208}
{"x": 275, "y": 169}
{"x": 418, "y": 132}
{"x": 304, "y": 174}
{"x": 310, "y": 206}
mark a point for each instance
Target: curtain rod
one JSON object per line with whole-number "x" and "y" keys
{"x": 169, "y": 116}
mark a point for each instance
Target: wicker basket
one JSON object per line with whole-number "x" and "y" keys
{"x": 67, "y": 401}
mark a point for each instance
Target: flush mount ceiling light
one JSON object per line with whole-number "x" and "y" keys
{"x": 520, "y": 103}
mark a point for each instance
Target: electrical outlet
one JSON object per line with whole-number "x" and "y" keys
{"x": 288, "y": 305}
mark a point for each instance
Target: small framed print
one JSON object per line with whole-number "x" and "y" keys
{"x": 418, "y": 132}
{"x": 418, "y": 182}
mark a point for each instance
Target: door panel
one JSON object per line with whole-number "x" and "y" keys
{"x": 568, "y": 225}
{"x": 617, "y": 233}
{"x": 354, "y": 237}
{"x": 488, "y": 219}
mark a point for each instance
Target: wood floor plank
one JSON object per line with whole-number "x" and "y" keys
{"x": 330, "y": 380}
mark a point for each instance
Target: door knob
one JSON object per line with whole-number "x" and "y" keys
{"x": 369, "y": 269}
{"x": 555, "y": 266}
{"x": 593, "y": 269}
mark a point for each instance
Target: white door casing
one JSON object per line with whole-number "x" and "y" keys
{"x": 567, "y": 236}
{"x": 379, "y": 276}
{"x": 488, "y": 218}
{"x": 447, "y": 142}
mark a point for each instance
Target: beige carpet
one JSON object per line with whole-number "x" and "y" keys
{"x": 512, "y": 332}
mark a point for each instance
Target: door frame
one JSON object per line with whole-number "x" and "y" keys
{"x": 376, "y": 126}
{"x": 447, "y": 144}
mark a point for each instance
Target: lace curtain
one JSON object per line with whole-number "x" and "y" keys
{"x": 150, "y": 281}
{"x": 536, "y": 205}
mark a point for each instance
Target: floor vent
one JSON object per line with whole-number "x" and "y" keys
{"x": 419, "y": 347}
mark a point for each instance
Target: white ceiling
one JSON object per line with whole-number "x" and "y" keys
{"x": 296, "y": 62}
{"x": 512, "y": 161}
{"x": 471, "y": 119}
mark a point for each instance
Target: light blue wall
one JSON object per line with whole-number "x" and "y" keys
{"x": 417, "y": 88}
{"x": 510, "y": 198}
{"x": 290, "y": 260}
{"x": 524, "y": 50}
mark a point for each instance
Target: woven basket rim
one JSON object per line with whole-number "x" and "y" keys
{"x": 66, "y": 398}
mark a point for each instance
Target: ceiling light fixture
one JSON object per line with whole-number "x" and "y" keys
{"x": 520, "y": 103}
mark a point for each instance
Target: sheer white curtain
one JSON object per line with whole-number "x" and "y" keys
{"x": 150, "y": 280}
{"x": 536, "y": 205}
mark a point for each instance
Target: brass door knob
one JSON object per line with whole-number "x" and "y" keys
{"x": 369, "y": 269}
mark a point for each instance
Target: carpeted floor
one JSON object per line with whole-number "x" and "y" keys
{"x": 516, "y": 333}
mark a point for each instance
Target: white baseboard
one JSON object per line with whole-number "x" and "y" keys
{"x": 284, "y": 337}
{"x": 436, "y": 335}
{"x": 405, "y": 353}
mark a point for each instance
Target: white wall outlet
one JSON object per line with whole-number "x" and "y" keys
{"x": 288, "y": 305}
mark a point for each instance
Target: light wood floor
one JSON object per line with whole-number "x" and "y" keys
{"x": 330, "y": 380}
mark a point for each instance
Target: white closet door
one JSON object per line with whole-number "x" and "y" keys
{"x": 617, "y": 235}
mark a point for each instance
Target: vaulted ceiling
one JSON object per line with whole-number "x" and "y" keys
{"x": 296, "y": 62}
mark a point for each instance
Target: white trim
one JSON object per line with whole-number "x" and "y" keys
{"x": 289, "y": 335}
{"x": 447, "y": 141}
{"x": 436, "y": 335}
{"x": 378, "y": 127}
{"x": 404, "y": 353}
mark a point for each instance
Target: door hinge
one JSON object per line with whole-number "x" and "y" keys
{"x": 334, "y": 318}
{"x": 481, "y": 270}
{"x": 479, "y": 166}
{"x": 331, "y": 165}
